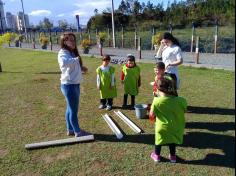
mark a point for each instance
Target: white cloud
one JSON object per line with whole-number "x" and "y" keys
{"x": 40, "y": 13}
{"x": 61, "y": 15}
{"x": 86, "y": 9}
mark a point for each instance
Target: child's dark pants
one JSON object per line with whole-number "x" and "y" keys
{"x": 172, "y": 148}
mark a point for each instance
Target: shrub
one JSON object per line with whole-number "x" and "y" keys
{"x": 101, "y": 37}
{"x": 43, "y": 39}
{"x": 86, "y": 44}
{"x": 156, "y": 39}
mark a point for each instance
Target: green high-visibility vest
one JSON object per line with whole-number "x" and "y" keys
{"x": 131, "y": 79}
{"x": 106, "y": 90}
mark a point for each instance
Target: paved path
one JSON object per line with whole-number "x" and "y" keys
{"x": 207, "y": 60}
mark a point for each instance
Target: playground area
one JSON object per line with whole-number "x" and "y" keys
{"x": 32, "y": 110}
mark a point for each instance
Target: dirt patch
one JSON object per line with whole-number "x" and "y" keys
{"x": 60, "y": 156}
{"x": 3, "y": 152}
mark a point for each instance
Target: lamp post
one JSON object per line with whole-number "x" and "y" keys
{"x": 113, "y": 25}
{"x": 24, "y": 18}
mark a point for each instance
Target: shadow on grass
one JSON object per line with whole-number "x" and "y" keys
{"x": 48, "y": 73}
{"x": 210, "y": 110}
{"x": 199, "y": 140}
{"x": 222, "y": 126}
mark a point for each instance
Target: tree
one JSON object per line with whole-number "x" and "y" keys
{"x": 63, "y": 24}
{"x": 45, "y": 24}
{"x": 95, "y": 11}
{"x": 123, "y": 7}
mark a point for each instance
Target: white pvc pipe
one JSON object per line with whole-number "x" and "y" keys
{"x": 59, "y": 142}
{"x": 128, "y": 122}
{"x": 113, "y": 127}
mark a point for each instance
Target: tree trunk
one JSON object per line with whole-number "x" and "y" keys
{"x": 0, "y": 67}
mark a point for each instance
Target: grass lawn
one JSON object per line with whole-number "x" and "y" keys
{"x": 32, "y": 110}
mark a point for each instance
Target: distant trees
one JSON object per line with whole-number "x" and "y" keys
{"x": 180, "y": 14}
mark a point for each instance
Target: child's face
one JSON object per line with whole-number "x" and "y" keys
{"x": 130, "y": 63}
{"x": 159, "y": 71}
{"x": 105, "y": 62}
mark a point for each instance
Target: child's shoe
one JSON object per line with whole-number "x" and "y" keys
{"x": 109, "y": 108}
{"x": 102, "y": 106}
{"x": 172, "y": 158}
{"x": 155, "y": 157}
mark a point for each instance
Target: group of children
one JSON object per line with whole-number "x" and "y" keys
{"x": 167, "y": 107}
{"x": 106, "y": 83}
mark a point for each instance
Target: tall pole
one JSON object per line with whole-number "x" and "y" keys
{"x": 113, "y": 25}
{"x": 24, "y": 18}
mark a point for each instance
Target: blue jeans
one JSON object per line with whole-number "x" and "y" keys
{"x": 72, "y": 94}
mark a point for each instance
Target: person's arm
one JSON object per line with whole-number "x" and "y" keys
{"x": 139, "y": 81}
{"x": 98, "y": 82}
{"x": 179, "y": 59}
{"x": 65, "y": 59}
{"x": 122, "y": 76}
{"x": 152, "y": 116}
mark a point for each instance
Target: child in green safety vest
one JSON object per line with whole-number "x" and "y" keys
{"x": 168, "y": 110}
{"x": 106, "y": 83}
{"x": 130, "y": 77}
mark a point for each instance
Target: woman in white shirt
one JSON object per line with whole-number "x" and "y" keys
{"x": 71, "y": 67}
{"x": 171, "y": 55}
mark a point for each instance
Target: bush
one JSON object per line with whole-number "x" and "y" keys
{"x": 43, "y": 39}
{"x": 86, "y": 44}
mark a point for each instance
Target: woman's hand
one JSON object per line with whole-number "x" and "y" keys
{"x": 84, "y": 69}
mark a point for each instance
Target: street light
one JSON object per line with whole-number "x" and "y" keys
{"x": 24, "y": 18}
{"x": 113, "y": 25}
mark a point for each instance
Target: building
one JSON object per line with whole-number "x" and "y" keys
{"x": 20, "y": 21}
{"x": 2, "y": 17}
{"x": 11, "y": 21}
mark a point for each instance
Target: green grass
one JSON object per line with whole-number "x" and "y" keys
{"x": 32, "y": 110}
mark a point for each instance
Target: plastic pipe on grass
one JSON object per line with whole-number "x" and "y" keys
{"x": 113, "y": 127}
{"x": 59, "y": 142}
{"x": 128, "y": 122}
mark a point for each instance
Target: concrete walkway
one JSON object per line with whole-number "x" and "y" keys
{"x": 206, "y": 60}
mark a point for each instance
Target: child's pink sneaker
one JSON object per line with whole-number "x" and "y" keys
{"x": 172, "y": 158}
{"x": 155, "y": 157}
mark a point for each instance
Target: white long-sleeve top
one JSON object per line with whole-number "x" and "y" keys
{"x": 105, "y": 69}
{"x": 70, "y": 68}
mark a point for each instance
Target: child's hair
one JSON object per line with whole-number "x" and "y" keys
{"x": 160, "y": 66}
{"x": 167, "y": 85}
{"x": 131, "y": 58}
{"x": 106, "y": 57}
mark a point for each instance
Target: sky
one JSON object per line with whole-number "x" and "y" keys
{"x": 57, "y": 10}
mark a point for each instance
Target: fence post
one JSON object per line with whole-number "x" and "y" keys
{"x": 108, "y": 36}
{"x": 33, "y": 40}
{"x": 192, "y": 40}
{"x": 139, "y": 47}
{"x": 153, "y": 34}
{"x": 216, "y": 38}
{"x": 135, "y": 38}
{"x": 122, "y": 37}
{"x": 197, "y": 51}
{"x": 0, "y": 67}
{"x": 170, "y": 28}
{"x": 50, "y": 38}
{"x": 89, "y": 35}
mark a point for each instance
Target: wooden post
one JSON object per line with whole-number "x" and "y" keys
{"x": 139, "y": 47}
{"x": 170, "y": 28}
{"x": 122, "y": 37}
{"x": 135, "y": 38}
{"x": 197, "y": 51}
{"x": 89, "y": 35}
{"x": 216, "y": 38}
{"x": 50, "y": 38}
{"x": 192, "y": 39}
{"x": 153, "y": 34}
{"x": 108, "y": 36}
{"x": 0, "y": 67}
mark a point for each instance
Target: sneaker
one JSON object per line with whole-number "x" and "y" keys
{"x": 172, "y": 158}
{"x": 124, "y": 106}
{"x": 155, "y": 157}
{"x": 102, "y": 106}
{"x": 109, "y": 108}
{"x": 82, "y": 133}
{"x": 70, "y": 133}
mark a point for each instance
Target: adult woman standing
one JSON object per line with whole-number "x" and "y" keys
{"x": 171, "y": 55}
{"x": 71, "y": 67}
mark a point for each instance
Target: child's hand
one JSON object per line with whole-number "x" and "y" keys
{"x": 84, "y": 69}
